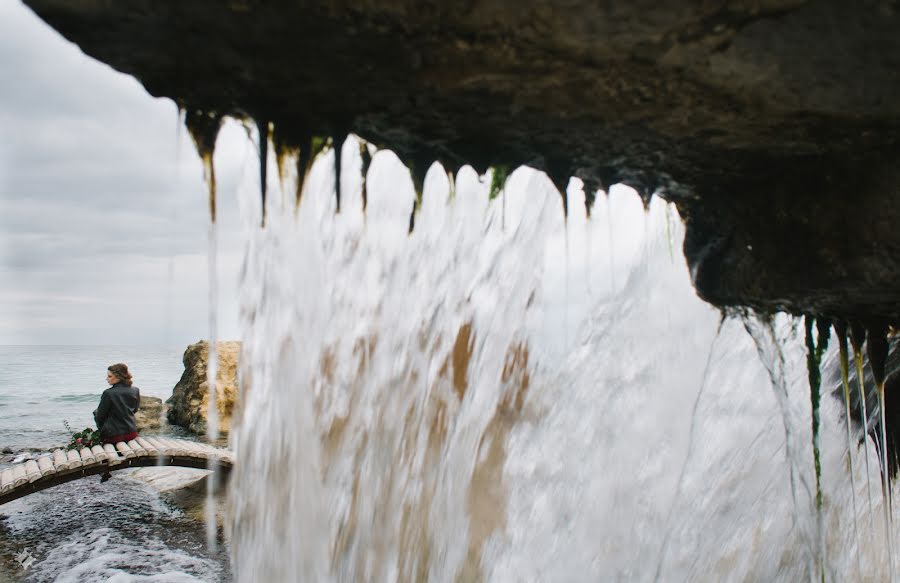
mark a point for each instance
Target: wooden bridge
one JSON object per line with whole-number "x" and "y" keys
{"x": 61, "y": 466}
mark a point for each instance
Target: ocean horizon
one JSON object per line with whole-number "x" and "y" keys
{"x": 43, "y": 386}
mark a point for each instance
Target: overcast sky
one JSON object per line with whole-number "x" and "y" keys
{"x": 103, "y": 220}
{"x": 103, "y": 211}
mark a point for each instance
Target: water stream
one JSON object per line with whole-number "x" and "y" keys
{"x": 885, "y": 485}
{"x": 451, "y": 405}
{"x": 841, "y": 331}
{"x": 864, "y": 422}
{"x": 212, "y": 415}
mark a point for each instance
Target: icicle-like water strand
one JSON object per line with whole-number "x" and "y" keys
{"x": 410, "y": 414}
{"x": 212, "y": 361}
{"x": 857, "y": 337}
{"x": 815, "y": 349}
{"x": 263, "y": 129}
{"x": 840, "y": 329}
{"x": 613, "y": 290}
{"x": 771, "y": 353}
{"x": 170, "y": 262}
{"x": 568, "y": 253}
{"x": 204, "y": 129}
{"x": 877, "y": 347}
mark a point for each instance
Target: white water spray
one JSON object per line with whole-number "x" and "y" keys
{"x": 410, "y": 416}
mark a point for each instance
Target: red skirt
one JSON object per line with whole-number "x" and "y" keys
{"x": 117, "y": 438}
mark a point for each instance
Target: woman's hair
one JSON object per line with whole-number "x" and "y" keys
{"x": 121, "y": 371}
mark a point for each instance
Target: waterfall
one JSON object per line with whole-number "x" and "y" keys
{"x": 447, "y": 405}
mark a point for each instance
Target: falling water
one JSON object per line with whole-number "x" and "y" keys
{"x": 204, "y": 129}
{"x": 841, "y": 330}
{"x": 170, "y": 263}
{"x": 170, "y": 253}
{"x": 567, "y": 301}
{"x": 579, "y": 294}
{"x": 815, "y": 348}
{"x": 212, "y": 361}
{"x": 409, "y": 414}
{"x": 588, "y": 249}
{"x": 770, "y": 346}
{"x": 885, "y": 486}
{"x": 864, "y": 418}
{"x": 670, "y": 234}
{"x": 877, "y": 348}
{"x": 611, "y": 255}
{"x": 691, "y": 445}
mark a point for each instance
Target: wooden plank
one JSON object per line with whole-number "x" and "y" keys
{"x": 45, "y": 464}
{"x": 87, "y": 457}
{"x": 126, "y": 451}
{"x": 148, "y": 447}
{"x": 161, "y": 448}
{"x": 137, "y": 449}
{"x": 73, "y": 458}
{"x": 99, "y": 453}
{"x": 173, "y": 446}
{"x": 112, "y": 456}
{"x": 60, "y": 460}
{"x": 6, "y": 480}
{"x": 76, "y": 474}
{"x": 19, "y": 476}
{"x": 32, "y": 471}
{"x": 195, "y": 450}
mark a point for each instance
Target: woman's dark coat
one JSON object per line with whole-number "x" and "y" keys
{"x": 115, "y": 415}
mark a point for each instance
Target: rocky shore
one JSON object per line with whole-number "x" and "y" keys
{"x": 188, "y": 405}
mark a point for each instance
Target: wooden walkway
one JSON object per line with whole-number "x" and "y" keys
{"x": 63, "y": 466}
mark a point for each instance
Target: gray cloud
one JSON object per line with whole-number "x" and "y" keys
{"x": 103, "y": 218}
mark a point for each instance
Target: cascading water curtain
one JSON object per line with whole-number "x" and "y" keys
{"x": 476, "y": 400}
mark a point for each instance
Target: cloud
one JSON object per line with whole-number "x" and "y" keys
{"x": 141, "y": 300}
{"x": 103, "y": 213}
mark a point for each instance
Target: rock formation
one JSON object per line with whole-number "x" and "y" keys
{"x": 149, "y": 415}
{"x": 190, "y": 397}
{"x": 773, "y": 124}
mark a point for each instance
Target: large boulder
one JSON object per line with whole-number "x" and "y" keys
{"x": 150, "y": 413}
{"x": 190, "y": 397}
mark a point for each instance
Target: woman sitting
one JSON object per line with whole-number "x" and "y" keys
{"x": 118, "y": 404}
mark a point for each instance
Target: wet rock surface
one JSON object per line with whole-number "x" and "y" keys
{"x": 188, "y": 405}
{"x": 150, "y": 413}
{"x": 773, "y": 124}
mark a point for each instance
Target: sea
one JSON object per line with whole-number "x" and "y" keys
{"x": 127, "y": 529}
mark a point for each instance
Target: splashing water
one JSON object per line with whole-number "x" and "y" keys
{"x": 411, "y": 410}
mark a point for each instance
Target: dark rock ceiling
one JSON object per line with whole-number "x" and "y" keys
{"x": 774, "y": 125}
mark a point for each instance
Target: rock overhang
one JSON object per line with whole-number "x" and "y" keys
{"x": 772, "y": 124}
